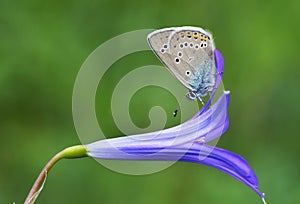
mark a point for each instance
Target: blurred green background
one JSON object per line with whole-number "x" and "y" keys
{"x": 44, "y": 43}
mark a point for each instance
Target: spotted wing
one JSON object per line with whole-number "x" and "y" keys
{"x": 193, "y": 50}
{"x": 159, "y": 41}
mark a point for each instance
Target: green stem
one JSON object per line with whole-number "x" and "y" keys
{"x": 68, "y": 153}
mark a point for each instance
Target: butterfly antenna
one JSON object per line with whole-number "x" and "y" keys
{"x": 178, "y": 108}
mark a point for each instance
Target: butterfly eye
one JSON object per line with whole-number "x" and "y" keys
{"x": 188, "y": 73}
{"x": 177, "y": 60}
{"x": 206, "y": 88}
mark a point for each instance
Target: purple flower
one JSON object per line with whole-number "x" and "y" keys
{"x": 185, "y": 142}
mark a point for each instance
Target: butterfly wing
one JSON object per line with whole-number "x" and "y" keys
{"x": 188, "y": 53}
{"x": 194, "y": 46}
{"x": 159, "y": 42}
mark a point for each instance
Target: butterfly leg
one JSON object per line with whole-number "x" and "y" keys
{"x": 201, "y": 100}
{"x": 191, "y": 96}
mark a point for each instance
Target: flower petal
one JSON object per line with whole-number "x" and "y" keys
{"x": 223, "y": 160}
{"x": 208, "y": 126}
{"x": 219, "y": 61}
{"x": 180, "y": 144}
{"x": 226, "y": 161}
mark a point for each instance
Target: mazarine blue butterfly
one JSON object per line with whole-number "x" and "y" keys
{"x": 188, "y": 53}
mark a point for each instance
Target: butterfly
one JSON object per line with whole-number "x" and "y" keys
{"x": 188, "y": 53}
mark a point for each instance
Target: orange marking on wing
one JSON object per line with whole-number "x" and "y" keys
{"x": 203, "y": 38}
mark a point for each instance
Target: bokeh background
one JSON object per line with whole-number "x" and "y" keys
{"x": 44, "y": 43}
